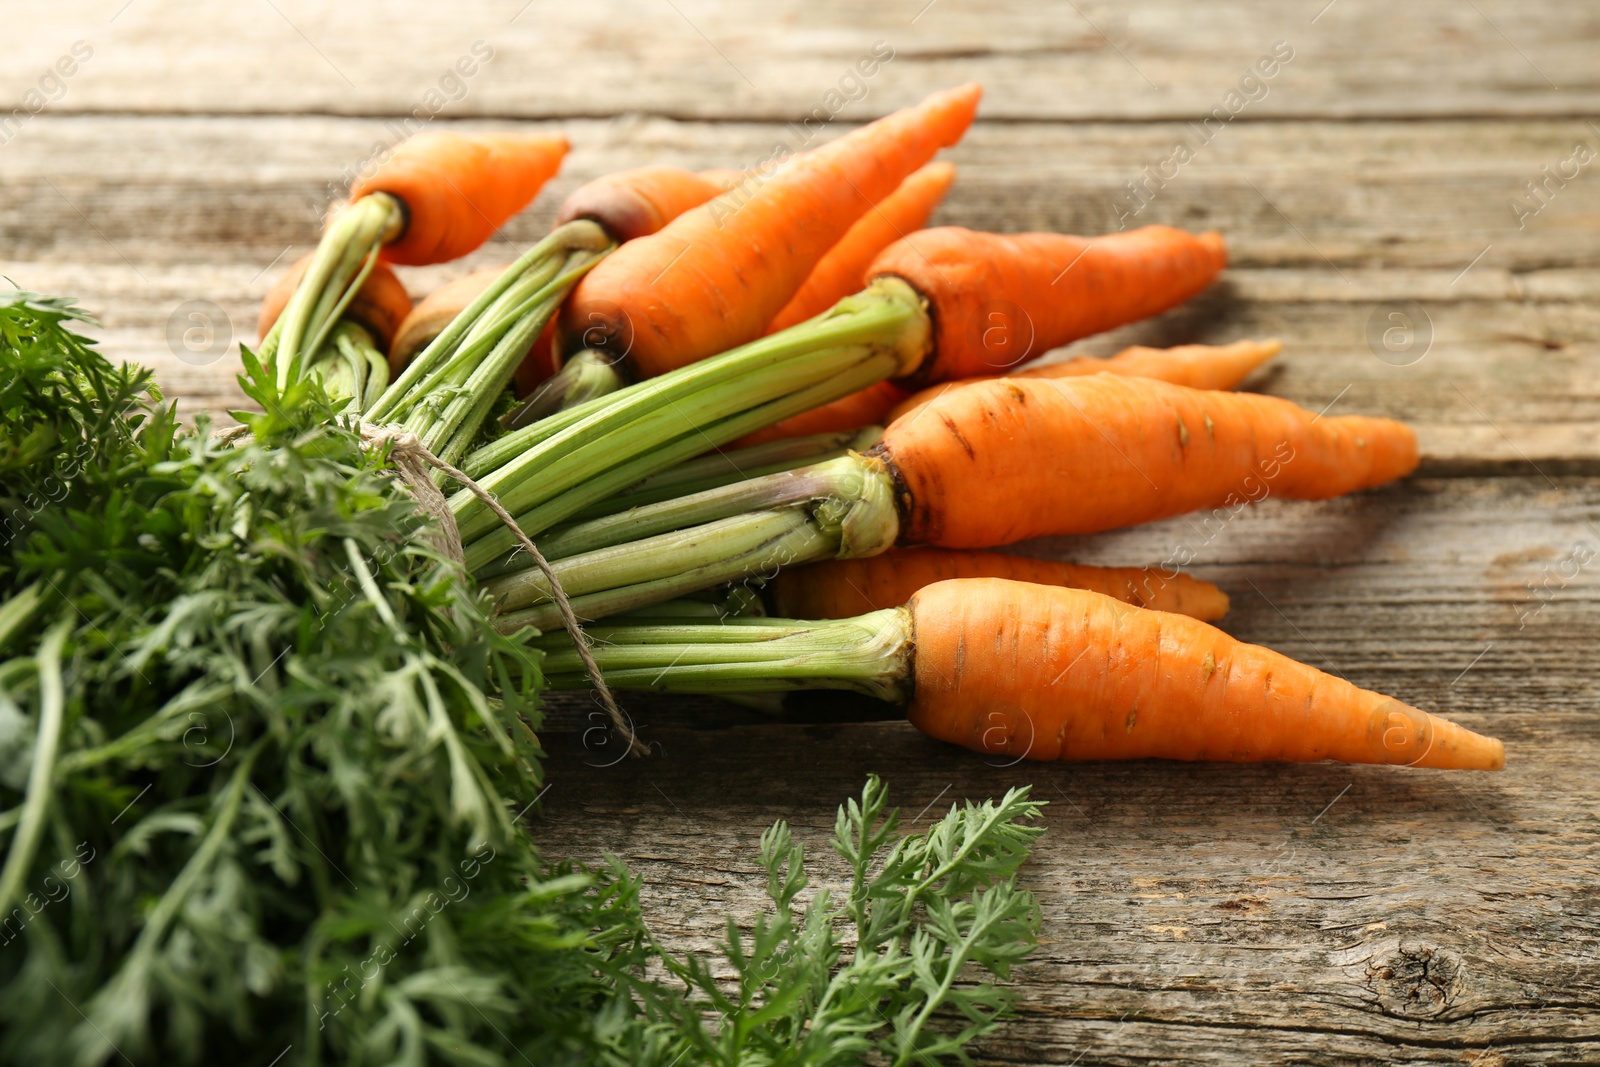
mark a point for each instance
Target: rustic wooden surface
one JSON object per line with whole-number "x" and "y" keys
{"x": 1194, "y": 914}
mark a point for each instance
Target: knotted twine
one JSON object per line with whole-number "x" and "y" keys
{"x": 411, "y": 459}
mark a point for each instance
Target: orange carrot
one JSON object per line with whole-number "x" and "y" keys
{"x": 839, "y": 589}
{"x": 725, "y": 178}
{"x": 715, "y": 276}
{"x": 436, "y": 311}
{"x": 843, "y": 270}
{"x": 1000, "y": 300}
{"x": 1196, "y": 366}
{"x": 380, "y": 305}
{"x": 459, "y": 188}
{"x": 1012, "y": 458}
{"x": 638, "y": 202}
{"x": 1049, "y": 673}
{"x": 867, "y": 407}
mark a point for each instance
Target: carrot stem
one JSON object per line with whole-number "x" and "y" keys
{"x": 587, "y": 375}
{"x": 651, "y": 426}
{"x": 342, "y": 261}
{"x": 836, "y": 485}
{"x": 447, "y": 392}
{"x": 870, "y": 654}
{"x": 743, "y": 545}
{"x": 722, "y": 468}
{"x": 837, "y": 510}
{"x": 350, "y": 365}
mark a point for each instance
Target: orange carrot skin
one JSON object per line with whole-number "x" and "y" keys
{"x": 867, "y": 407}
{"x": 638, "y": 202}
{"x": 843, "y": 270}
{"x": 713, "y": 278}
{"x": 1004, "y": 460}
{"x": 429, "y": 318}
{"x": 845, "y": 588}
{"x": 459, "y": 188}
{"x": 1046, "y": 673}
{"x": 1000, "y": 300}
{"x": 1197, "y": 366}
{"x": 380, "y": 305}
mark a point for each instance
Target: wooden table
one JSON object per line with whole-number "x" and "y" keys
{"x": 1193, "y": 914}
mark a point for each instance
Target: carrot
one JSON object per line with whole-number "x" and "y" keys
{"x": 380, "y": 305}
{"x": 638, "y": 202}
{"x": 1001, "y": 300}
{"x": 1196, "y": 366}
{"x": 459, "y": 188}
{"x": 1045, "y": 673}
{"x": 725, "y": 178}
{"x": 1050, "y": 673}
{"x": 988, "y": 464}
{"x": 1003, "y": 460}
{"x": 841, "y": 588}
{"x": 843, "y": 270}
{"x": 716, "y": 275}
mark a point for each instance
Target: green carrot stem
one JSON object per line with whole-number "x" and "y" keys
{"x": 343, "y": 258}
{"x": 350, "y": 364}
{"x": 509, "y": 446}
{"x": 41, "y": 769}
{"x": 724, "y": 468}
{"x": 585, "y": 376}
{"x": 445, "y": 396}
{"x": 475, "y": 316}
{"x": 846, "y": 509}
{"x": 688, "y": 631}
{"x": 887, "y": 320}
{"x": 605, "y": 479}
{"x": 870, "y": 654}
{"x": 844, "y": 478}
{"x": 646, "y": 560}
{"x": 17, "y": 610}
{"x": 796, "y": 542}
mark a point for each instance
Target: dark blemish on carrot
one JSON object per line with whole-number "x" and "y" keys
{"x": 955, "y": 431}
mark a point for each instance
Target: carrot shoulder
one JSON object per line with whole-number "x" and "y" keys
{"x": 1048, "y": 673}
{"x": 459, "y": 188}
{"x": 1012, "y": 458}
{"x": 1000, "y": 300}
{"x": 840, "y": 589}
{"x": 843, "y": 270}
{"x": 636, "y": 203}
{"x": 715, "y": 276}
{"x": 1197, "y": 366}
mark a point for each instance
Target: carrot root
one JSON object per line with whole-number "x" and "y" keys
{"x": 1049, "y": 673}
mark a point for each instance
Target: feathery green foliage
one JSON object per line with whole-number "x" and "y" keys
{"x": 262, "y": 757}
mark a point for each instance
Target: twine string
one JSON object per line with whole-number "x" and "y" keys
{"x": 412, "y": 459}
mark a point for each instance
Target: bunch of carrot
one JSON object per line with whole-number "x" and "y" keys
{"x": 870, "y": 377}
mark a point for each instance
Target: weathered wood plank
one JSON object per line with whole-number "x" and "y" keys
{"x": 1510, "y": 376}
{"x": 717, "y": 59}
{"x": 1195, "y": 914}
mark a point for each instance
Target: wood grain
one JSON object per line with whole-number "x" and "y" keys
{"x": 1200, "y": 914}
{"x": 1509, "y": 377}
{"x": 720, "y": 59}
{"x": 1195, "y": 914}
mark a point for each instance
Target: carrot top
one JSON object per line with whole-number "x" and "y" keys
{"x": 1001, "y": 300}
{"x": 715, "y": 276}
{"x": 457, "y": 189}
